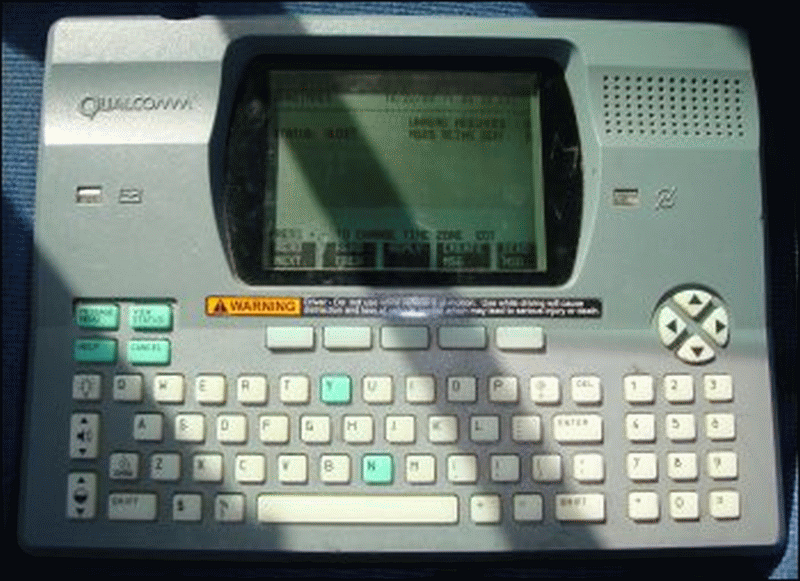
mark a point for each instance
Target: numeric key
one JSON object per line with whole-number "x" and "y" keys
{"x": 639, "y": 389}
{"x": 640, "y": 427}
{"x": 681, "y": 427}
{"x": 722, "y": 465}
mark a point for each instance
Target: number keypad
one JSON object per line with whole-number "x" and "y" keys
{"x": 678, "y": 441}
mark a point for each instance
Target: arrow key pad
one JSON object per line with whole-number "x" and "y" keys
{"x": 693, "y": 323}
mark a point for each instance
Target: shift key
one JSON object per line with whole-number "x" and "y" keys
{"x": 131, "y": 506}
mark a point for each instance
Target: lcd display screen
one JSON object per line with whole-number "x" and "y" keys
{"x": 385, "y": 171}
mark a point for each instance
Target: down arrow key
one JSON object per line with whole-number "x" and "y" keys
{"x": 695, "y": 350}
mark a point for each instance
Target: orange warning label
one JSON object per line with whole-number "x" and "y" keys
{"x": 254, "y": 306}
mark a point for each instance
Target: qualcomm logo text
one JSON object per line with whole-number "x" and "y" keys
{"x": 91, "y": 106}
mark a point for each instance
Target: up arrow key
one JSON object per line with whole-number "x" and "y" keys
{"x": 692, "y": 301}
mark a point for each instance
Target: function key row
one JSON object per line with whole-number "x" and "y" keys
{"x": 101, "y": 350}
{"x": 404, "y": 337}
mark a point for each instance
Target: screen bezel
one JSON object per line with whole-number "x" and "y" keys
{"x": 246, "y": 174}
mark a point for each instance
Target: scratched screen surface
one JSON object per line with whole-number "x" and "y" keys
{"x": 407, "y": 170}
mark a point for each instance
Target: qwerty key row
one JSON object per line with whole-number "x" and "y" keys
{"x": 212, "y": 389}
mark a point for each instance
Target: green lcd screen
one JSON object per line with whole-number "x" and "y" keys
{"x": 405, "y": 170}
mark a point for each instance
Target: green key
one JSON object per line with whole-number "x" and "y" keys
{"x": 95, "y": 351}
{"x": 335, "y": 389}
{"x": 97, "y": 316}
{"x": 377, "y": 468}
{"x": 150, "y": 317}
{"x": 149, "y": 352}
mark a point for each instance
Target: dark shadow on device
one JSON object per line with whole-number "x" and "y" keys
{"x": 249, "y": 178}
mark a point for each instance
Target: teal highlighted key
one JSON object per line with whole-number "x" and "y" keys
{"x": 150, "y": 317}
{"x": 149, "y": 352}
{"x": 95, "y": 351}
{"x": 97, "y": 316}
{"x": 377, "y": 468}
{"x": 335, "y": 389}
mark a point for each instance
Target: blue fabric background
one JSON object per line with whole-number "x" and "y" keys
{"x": 24, "y": 36}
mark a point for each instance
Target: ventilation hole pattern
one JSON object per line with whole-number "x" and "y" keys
{"x": 673, "y": 105}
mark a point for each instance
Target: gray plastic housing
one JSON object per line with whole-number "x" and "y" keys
{"x": 695, "y": 220}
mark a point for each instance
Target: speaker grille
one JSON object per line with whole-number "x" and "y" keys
{"x": 674, "y": 105}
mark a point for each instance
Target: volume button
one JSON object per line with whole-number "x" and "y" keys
{"x": 84, "y": 436}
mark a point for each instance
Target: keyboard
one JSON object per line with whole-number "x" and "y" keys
{"x": 517, "y": 451}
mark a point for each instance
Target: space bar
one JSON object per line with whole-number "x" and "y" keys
{"x": 357, "y": 509}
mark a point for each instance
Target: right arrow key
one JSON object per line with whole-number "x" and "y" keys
{"x": 717, "y": 325}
